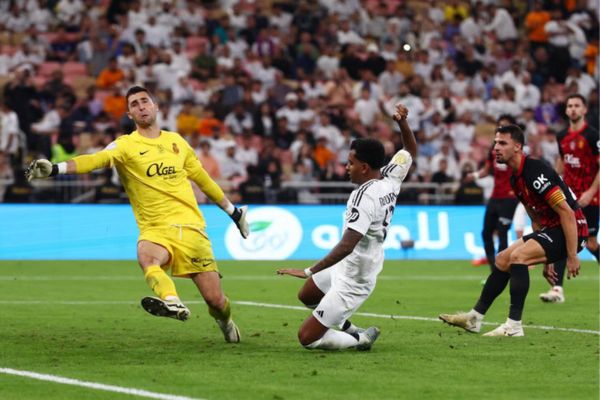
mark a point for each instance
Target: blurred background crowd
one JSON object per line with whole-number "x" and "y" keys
{"x": 271, "y": 93}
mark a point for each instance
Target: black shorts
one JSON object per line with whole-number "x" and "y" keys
{"x": 591, "y": 215}
{"x": 553, "y": 242}
{"x": 500, "y": 212}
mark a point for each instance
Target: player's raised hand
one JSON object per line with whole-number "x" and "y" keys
{"x": 239, "y": 217}
{"x": 298, "y": 273}
{"x": 39, "y": 169}
{"x": 401, "y": 112}
{"x": 572, "y": 267}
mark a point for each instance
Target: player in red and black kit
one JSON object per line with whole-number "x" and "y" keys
{"x": 560, "y": 232}
{"x": 502, "y": 203}
{"x": 578, "y": 164}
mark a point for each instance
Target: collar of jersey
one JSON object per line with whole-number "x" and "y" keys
{"x": 148, "y": 140}
{"x": 571, "y": 132}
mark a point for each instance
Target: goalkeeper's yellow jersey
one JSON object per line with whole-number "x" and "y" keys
{"x": 155, "y": 173}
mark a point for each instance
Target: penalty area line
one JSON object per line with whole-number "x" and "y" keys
{"x": 94, "y": 385}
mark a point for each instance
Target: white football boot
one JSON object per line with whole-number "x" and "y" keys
{"x": 230, "y": 331}
{"x": 554, "y": 295}
{"x": 470, "y": 322}
{"x": 367, "y": 338}
{"x": 509, "y": 328}
{"x": 164, "y": 308}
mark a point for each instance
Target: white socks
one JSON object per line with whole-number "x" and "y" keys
{"x": 334, "y": 340}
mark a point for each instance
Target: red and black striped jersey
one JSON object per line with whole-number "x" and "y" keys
{"x": 538, "y": 186}
{"x": 502, "y": 173}
{"x": 579, "y": 151}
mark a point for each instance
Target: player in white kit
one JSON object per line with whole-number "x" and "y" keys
{"x": 340, "y": 283}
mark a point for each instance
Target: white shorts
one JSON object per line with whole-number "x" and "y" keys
{"x": 339, "y": 302}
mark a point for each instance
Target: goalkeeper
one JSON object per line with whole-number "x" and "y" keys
{"x": 154, "y": 167}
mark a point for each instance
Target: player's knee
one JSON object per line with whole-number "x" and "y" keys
{"x": 517, "y": 257}
{"x": 304, "y": 337}
{"x": 145, "y": 260}
{"x": 305, "y": 299}
{"x": 502, "y": 261}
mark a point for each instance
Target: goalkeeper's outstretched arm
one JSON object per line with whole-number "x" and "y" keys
{"x": 42, "y": 168}
{"x": 408, "y": 138}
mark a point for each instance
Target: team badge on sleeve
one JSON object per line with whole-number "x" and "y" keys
{"x": 353, "y": 215}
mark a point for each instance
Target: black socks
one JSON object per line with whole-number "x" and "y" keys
{"x": 519, "y": 286}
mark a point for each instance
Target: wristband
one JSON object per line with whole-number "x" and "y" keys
{"x": 54, "y": 171}
{"x": 236, "y": 214}
{"x": 308, "y": 272}
{"x": 62, "y": 167}
{"x": 229, "y": 209}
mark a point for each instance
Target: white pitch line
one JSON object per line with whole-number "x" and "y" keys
{"x": 414, "y": 318}
{"x": 425, "y": 278}
{"x": 280, "y": 306}
{"x": 94, "y": 385}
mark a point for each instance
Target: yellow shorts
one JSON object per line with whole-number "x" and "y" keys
{"x": 189, "y": 249}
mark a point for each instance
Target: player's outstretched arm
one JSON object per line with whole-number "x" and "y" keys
{"x": 408, "y": 138}
{"x": 42, "y": 168}
{"x": 345, "y": 246}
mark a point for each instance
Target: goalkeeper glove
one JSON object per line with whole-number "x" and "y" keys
{"x": 39, "y": 169}
{"x": 239, "y": 217}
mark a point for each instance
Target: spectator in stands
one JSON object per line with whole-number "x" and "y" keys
{"x": 187, "y": 121}
{"x": 115, "y": 104}
{"x": 9, "y": 133}
{"x": 238, "y": 119}
{"x": 252, "y": 190}
{"x": 535, "y": 22}
{"x": 111, "y": 75}
{"x": 229, "y": 167}
{"x": 246, "y": 154}
{"x": 468, "y": 192}
{"x": 282, "y": 135}
{"x": 62, "y": 47}
{"x": 209, "y": 162}
{"x": 501, "y": 24}
{"x": 558, "y": 40}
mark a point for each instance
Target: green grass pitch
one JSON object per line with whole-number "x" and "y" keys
{"x": 82, "y": 320}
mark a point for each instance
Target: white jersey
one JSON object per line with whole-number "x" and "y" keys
{"x": 369, "y": 212}
{"x": 351, "y": 281}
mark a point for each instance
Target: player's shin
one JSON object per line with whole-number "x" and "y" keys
{"x": 494, "y": 285}
{"x": 223, "y": 314}
{"x": 160, "y": 283}
{"x": 559, "y": 268}
{"x": 519, "y": 287}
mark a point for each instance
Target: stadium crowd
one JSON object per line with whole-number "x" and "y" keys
{"x": 274, "y": 91}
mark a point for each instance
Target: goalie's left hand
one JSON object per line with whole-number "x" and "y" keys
{"x": 239, "y": 217}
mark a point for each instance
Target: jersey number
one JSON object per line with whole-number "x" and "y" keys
{"x": 387, "y": 219}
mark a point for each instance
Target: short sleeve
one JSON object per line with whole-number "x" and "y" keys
{"x": 361, "y": 213}
{"x": 541, "y": 179}
{"x": 398, "y": 167}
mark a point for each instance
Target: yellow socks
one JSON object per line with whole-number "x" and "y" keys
{"x": 159, "y": 282}
{"x": 221, "y": 315}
